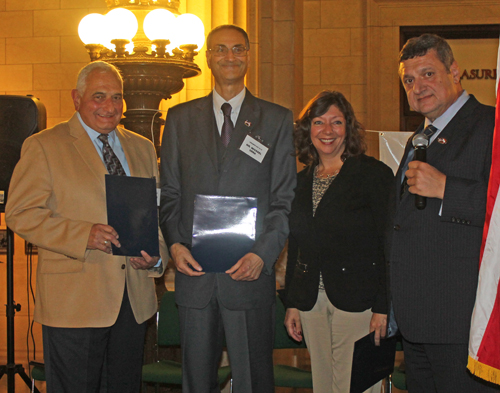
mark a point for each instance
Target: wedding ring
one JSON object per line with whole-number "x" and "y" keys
{"x": 105, "y": 242}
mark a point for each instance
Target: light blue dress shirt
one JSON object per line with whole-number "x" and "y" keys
{"x": 113, "y": 140}
{"x": 442, "y": 121}
{"x": 115, "y": 144}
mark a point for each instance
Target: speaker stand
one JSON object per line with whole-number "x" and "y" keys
{"x": 11, "y": 369}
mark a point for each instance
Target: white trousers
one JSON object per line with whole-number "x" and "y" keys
{"x": 330, "y": 335}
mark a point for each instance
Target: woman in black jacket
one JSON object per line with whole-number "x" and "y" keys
{"x": 335, "y": 276}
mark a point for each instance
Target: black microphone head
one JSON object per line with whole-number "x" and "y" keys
{"x": 420, "y": 141}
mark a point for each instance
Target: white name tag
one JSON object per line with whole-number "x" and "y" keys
{"x": 158, "y": 194}
{"x": 254, "y": 148}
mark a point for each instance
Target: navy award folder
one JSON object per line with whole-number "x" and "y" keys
{"x": 223, "y": 230}
{"x": 371, "y": 363}
{"x": 132, "y": 212}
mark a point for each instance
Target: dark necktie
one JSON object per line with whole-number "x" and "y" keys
{"x": 110, "y": 159}
{"x": 227, "y": 127}
{"x": 428, "y": 132}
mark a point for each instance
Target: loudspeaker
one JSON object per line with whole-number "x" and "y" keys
{"x": 20, "y": 117}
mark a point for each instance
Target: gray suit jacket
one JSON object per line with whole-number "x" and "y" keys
{"x": 434, "y": 259}
{"x": 190, "y": 166}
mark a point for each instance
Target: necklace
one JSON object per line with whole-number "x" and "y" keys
{"x": 325, "y": 175}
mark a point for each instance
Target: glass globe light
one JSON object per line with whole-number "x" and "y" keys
{"x": 90, "y": 29}
{"x": 190, "y": 30}
{"x": 122, "y": 24}
{"x": 159, "y": 24}
{"x": 129, "y": 47}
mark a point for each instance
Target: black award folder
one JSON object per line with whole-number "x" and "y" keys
{"x": 223, "y": 230}
{"x": 132, "y": 212}
{"x": 371, "y": 363}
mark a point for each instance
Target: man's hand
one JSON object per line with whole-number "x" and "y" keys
{"x": 378, "y": 324}
{"x": 144, "y": 263}
{"x": 293, "y": 325}
{"x": 182, "y": 258}
{"x": 425, "y": 180}
{"x": 247, "y": 268}
{"x": 100, "y": 238}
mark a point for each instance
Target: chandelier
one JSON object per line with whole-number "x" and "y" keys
{"x": 153, "y": 46}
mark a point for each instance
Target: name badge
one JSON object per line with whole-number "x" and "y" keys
{"x": 254, "y": 148}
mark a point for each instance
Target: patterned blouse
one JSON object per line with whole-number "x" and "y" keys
{"x": 320, "y": 185}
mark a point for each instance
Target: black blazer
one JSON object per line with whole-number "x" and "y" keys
{"x": 434, "y": 257}
{"x": 344, "y": 240}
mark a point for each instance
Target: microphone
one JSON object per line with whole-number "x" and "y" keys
{"x": 420, "y": 143}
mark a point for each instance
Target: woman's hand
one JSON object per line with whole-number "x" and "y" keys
{"x": 378, "y": 324}
{"x": 293, "y": 325}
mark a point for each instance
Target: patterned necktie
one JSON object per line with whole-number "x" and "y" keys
{"x": 429, "y": 131}
{"x": 227, "y": 127}
{"x": 110, "y": 159}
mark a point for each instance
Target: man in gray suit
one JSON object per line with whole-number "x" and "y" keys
{"x": 434, "y": 252}
{"x": 203, "y": 153}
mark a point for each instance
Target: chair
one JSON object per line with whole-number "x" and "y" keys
{"x": 37, "y": 374}
{"x": 398, "y": 376}
{"x": 168, "y": 334}
{"x": 288, "y": 376}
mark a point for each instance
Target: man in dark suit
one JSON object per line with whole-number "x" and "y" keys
{"x": 203, "y": 153}
{"x": 434, "y": 252}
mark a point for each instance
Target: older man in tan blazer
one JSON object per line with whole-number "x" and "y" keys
{"x": 92, "y": 305}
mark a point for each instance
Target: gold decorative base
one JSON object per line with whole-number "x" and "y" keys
{"x": 145, "y": 84}
{"x": 170, "y": 4}
{"x": 148, "y": 76}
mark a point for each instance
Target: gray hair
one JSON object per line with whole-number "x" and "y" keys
{"x": 97, "y": 66}
{"x": 420, "y": 46}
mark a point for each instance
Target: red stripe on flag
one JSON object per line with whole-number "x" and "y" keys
{"x": 489, "y": 349}
{"x": 494, "y": 181}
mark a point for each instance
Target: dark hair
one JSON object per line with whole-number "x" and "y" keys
{"x": 223, "y": 27}
{"x": 318, "y": 106}
{"x": 420, "y": 46}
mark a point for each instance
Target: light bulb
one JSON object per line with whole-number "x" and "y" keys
{"x": 190, "y": 30}
{"x": 90, "y": 29}
{"x": 159, "y": 24}
{"x": 122, "y": 24}
{"x": 130, "y": 47}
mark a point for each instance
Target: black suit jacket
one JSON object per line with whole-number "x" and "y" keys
{"x": 190, "y": 166}
{"x": 434, "y": 258}
{"x": 344, "y": 240}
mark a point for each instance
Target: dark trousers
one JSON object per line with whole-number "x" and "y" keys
{"x": 441, "y": 368}
{"x": 93, "y": 360}
{"x": 249, "y": 337}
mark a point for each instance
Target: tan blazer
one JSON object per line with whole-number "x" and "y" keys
{"x": 56, "y": 194}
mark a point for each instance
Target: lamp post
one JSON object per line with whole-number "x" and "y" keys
{"x": 153, "y": 46}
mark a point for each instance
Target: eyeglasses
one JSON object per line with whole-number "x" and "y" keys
{"x": 222, "y": 50}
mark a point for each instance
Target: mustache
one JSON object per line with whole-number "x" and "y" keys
{"x": 226, "y": 62}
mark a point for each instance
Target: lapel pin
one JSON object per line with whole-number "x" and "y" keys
{"x": 443, "y": 141}
{"x": 247, "y": 123}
